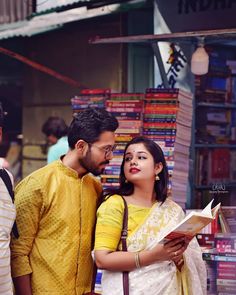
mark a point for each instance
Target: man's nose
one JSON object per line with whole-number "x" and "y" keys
{"x": 109, "y": 156}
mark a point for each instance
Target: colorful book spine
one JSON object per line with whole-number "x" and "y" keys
{"x": 128, "y": 109}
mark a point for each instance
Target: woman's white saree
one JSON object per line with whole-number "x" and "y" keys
{"x": 161, "y": 278}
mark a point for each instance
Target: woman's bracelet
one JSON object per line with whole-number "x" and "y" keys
{"x": 137, "y": 260}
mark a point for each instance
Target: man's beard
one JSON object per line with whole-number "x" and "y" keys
{"x": 91, "y": 166}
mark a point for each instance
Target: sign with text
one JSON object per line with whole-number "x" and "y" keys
{"x": 194, "y": 15}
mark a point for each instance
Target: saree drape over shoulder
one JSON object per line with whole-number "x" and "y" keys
{"x": 146, "y": 227}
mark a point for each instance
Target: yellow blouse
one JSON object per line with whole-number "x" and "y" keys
{"x": 55, "y": 218}
{"x": 110, "y": 220}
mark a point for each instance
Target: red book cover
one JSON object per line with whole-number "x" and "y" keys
{"x": 123, "y": 109}
{"x": 220, "y": 159}
{"x": 227, "y": 265}
{"x": 161, "y": 95}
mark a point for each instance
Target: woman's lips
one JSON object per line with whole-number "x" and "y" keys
{"x": 134, "y": 170}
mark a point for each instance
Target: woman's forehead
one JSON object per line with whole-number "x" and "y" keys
{"x": 136, "y": 147}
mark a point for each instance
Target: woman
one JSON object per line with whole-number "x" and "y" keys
{"x": 154, "y": 268}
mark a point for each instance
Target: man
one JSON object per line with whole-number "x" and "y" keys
{"x": 56, "y": 208}
{"x": 7, "y": 217}
{"x": 56, "y": 130}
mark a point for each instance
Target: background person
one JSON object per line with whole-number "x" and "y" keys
{"x": 7, "y": 218}
{"x": 56, "y": 208}
{"x": 173, "y": 268}
{"x": 56, "y": 131}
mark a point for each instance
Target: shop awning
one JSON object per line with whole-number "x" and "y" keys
{"x": 44, "y": 6}
{"x": 50, "y": 21}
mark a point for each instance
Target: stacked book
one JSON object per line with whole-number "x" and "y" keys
{"x": 127, "y": 108}
{"x": 182, "y": 147}
{"x": 93, "y": 98}
{"x": 226, "y": 266}
{"x": 221, "y": 265}
{"x": 159, "y": 121}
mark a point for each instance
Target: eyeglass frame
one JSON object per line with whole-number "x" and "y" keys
{"x": 107, "y": 150}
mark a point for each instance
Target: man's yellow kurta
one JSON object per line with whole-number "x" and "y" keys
{"x": 55, "y": 219}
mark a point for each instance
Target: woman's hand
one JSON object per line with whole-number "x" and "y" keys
{"x": 172, "y": 250}
{"x": 125, "y": 261}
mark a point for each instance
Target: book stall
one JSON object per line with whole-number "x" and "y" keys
{"x": 166, "y": 116}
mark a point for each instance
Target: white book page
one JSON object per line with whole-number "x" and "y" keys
{"x": 207, "y": 210}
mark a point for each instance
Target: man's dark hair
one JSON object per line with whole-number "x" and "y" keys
{"x": 55, "y": 126}
{"x": 1, "y": 115}
{"x": 89, "y": 124}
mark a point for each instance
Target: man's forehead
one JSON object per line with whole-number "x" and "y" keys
{"x": 106, "y": 138}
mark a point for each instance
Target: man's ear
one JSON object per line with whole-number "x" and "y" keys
{"x": 81, "y": 146}
{"x": 0, "y": 134}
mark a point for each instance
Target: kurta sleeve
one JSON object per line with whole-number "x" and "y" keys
{"x": 109, "y": 224}
{"x": 29, "y": 206}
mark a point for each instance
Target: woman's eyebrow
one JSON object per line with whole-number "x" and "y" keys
{"x": 138, "y": 152}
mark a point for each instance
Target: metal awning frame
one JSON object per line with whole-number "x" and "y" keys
{"x": 209, "y": 37}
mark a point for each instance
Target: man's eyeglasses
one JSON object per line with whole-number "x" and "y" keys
{"x": 107, "y": 150}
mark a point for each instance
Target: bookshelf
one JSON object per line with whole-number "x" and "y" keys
{"x": 213, "y": 152}
{"x": 219, "y": 255}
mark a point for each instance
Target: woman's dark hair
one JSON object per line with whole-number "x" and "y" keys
{"x": 89, "y": 124}
{"x": 55, "y": 126}
{"x": 160, "y": 186}
{"x": 1, "y": 115}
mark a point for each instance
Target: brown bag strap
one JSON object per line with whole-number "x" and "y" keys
{"x": 124, "y": 234}
{"x": 95, "y": 269}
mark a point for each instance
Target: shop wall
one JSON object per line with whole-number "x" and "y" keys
{"x": 140, "y": 56}
{"x": 68, "y": 52}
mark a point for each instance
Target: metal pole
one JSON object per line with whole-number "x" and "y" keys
{"x": 157, "y": 54}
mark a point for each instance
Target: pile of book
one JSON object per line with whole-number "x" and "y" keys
{"x": 182, "y": 147}
{"x": 127, "y": 108}
{"x": 227, "y": 219}
{"x": 226, "y": 265}
{"x": 93, "y": 98}
{"x": 224, "y": 258}
{"x": 159, "y": 121}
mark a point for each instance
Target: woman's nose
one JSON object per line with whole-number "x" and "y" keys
{"x": 133, "y": 162}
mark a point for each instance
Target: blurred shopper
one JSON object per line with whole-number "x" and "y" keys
{"x": 4, "y": 163}
{"x": 56, "y": 208}
{"x": 56, "y": 130}
{"x": 7, "y": 217}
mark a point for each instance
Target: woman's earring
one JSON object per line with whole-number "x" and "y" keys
{"x": 157, "y": 177}
{"x": 126, "y": 181}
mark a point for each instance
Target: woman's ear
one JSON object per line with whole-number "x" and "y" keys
{"x": 0, "y": 134}
{"x": 158, "y": 168}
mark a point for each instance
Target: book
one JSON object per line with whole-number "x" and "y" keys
{"x": 228, "y": 214}
{"x": 193, "y": 223}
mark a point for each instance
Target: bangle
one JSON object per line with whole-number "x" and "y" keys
{"x": 137, "y": 260}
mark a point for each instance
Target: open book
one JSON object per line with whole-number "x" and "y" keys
{"x": 192, "y": 223}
